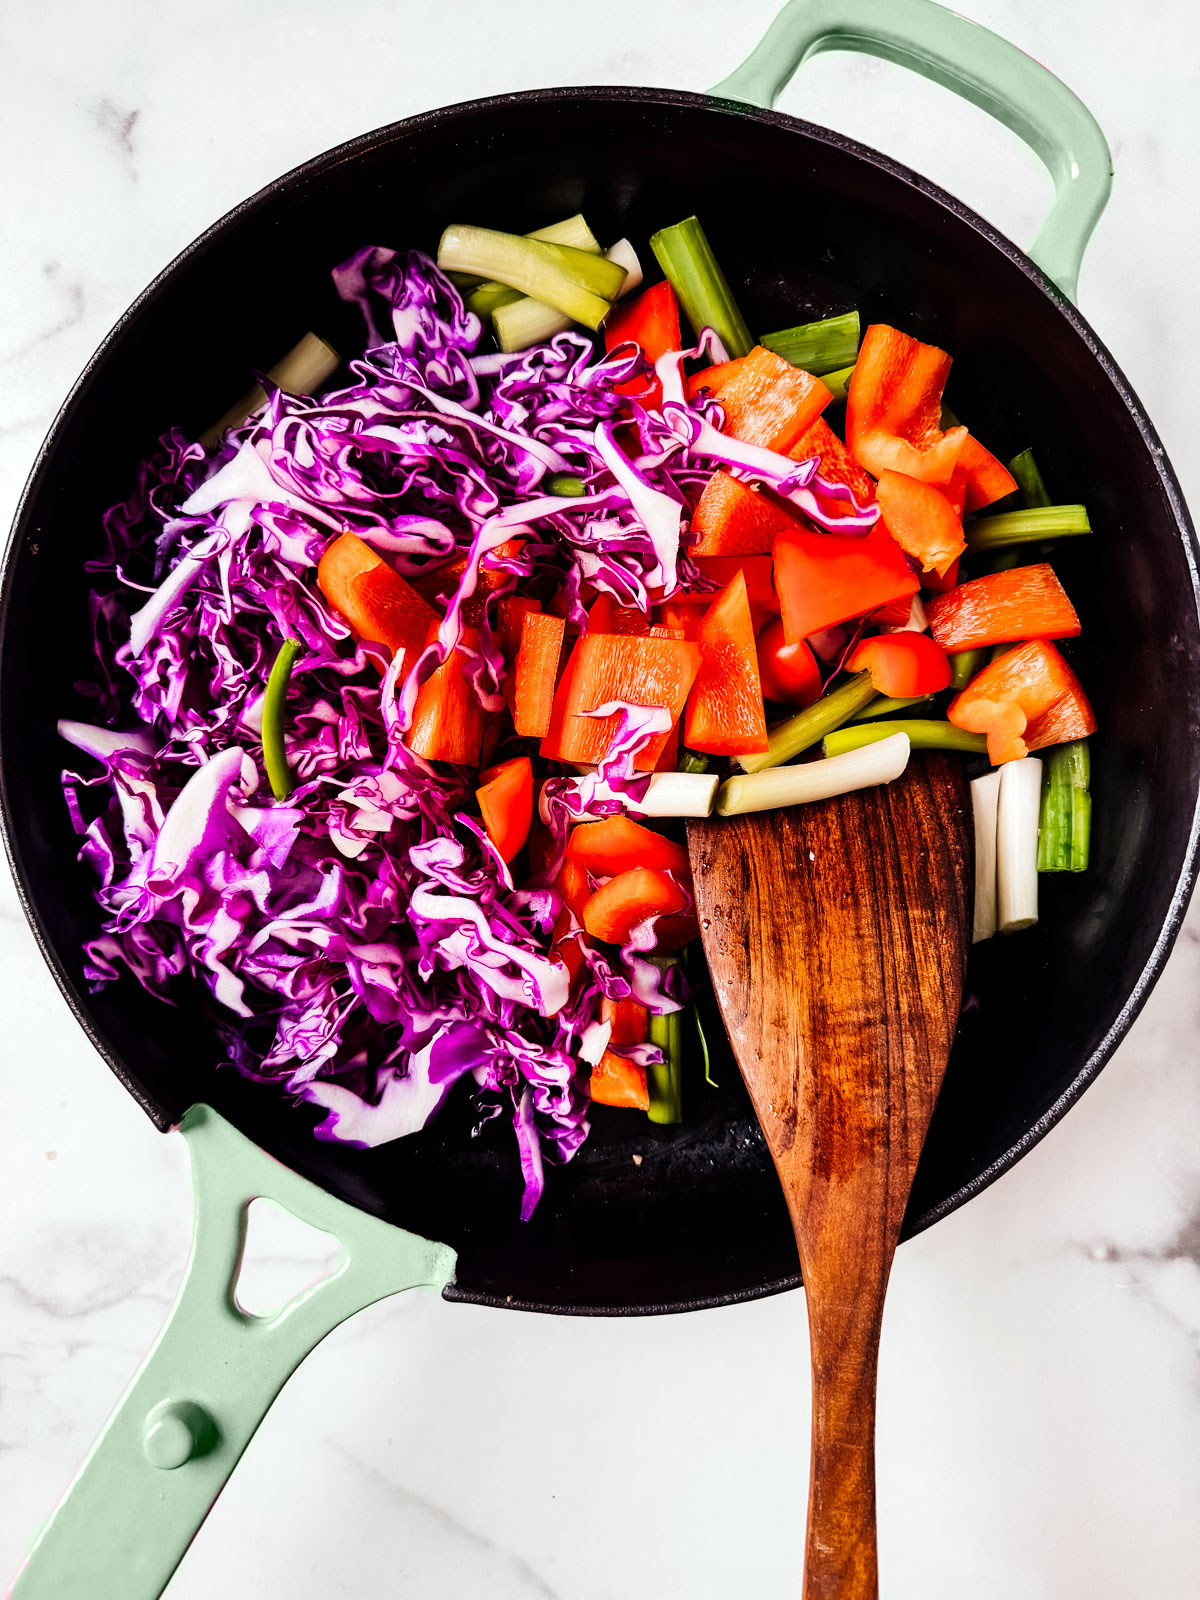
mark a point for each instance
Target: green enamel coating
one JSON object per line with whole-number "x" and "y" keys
{"x": 974, "y": 63}
{"x": 180, "y": 1428}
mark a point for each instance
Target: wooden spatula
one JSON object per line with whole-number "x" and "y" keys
{"x": 837, "y": 935}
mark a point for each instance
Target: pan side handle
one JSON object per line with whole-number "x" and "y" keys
{"x": 978, "y": 65}
{"x": 165, "y": 1453}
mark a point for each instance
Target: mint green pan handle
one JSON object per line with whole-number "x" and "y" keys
{"x": 976, "y": 64}
{"x": 178, "y": 1431}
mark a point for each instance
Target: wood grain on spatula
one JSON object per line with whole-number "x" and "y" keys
{"x": 837, "y": 936}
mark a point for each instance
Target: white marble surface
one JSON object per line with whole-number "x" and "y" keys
{"x": 1040, "y": 1385}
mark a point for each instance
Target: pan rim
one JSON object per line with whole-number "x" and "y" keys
{"x": 433, "y": 119}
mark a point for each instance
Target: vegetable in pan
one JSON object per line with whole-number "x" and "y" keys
{"x": 404, "y": 689}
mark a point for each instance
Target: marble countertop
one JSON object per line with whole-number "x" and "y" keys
{"x": 1039, "y": 1427}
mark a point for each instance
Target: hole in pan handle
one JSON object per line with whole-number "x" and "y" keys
{"x": 178, "y": 1431}
{"x": 978, "y": 65}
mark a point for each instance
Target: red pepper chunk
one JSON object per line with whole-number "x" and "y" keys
{"x": 448, "y": 720}
{"x": 837, "y": 465}
{"x": 604, "y": 667}
{"x": 606, "y": 616}
{"x": 575, "y": 890}
{"x": 734, "y": 519}
{"x": 894, "y": 407}
{"x": 650, "y": 321}
{"x": 825, "y": 578}
{"x": 712, "y": 377}
{"x": 789, "y": 673}
{"x": 905, "y": 665}
{"x": 618, "y": 844}
{"x": 439, "y": 583}
{"x": 764, "y": 602}
{"x": 921, "y": 520}
{"x": 629, "y": 1021}
{"x": 981, "y": 479}
{"x": 373, "y": 600}
{"x": 1025, "y": 700}
{"x": 621, "y": 904}
{"x": 617, "y": 1081}
{"x": 767, "y": 401}
{"x": 725, "y": 708}
{"x": 535, "y": 672}
{"x": 506, "y": 804}
{"x": 684, "y": 616}
{"x": 1023, "y": 603}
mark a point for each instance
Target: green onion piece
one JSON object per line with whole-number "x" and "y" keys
{"x": 1029, "y": 481}
{"x": 922, "y": 735}
{"x": 571, "y": 230}
{"x": 948, "y": 420}
{"x": 818, "y": 347}
{"x": 1019, "y": 527}
{"x": 302, "y": 371}
{"x": 665, "y": 1080}
{"x": 964, "y": 664}
{"x": 519, "y": 322}
{"x": 572, "y": 281}
{"x": 564, "y": 483}
{"x": 686, "y": 257}
{"x": 1007, "y": 560}
{"x": 279, "y": 774}
{"x": 838, "y": 384}
{"x": 1066, "y": 811}
{"x": 809, "y": 727}
{"x": 489, "y": 297}
{"x": 876, "y": 761}
{"x": 690, "y": 955}
{"x": 692, "y": 761}
{"x": 885, "y": 707}
{"x": 999, "y": 650}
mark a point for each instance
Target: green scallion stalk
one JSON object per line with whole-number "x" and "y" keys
{"x": 809, "y": 727}
{"x": 665, "y": 1080}
{"x": 690, "y": 955}
{"x": 692, "y": 761}
{"x": 1065, "y": 824}
{"x": 818, "y": 347}
{"x": 564, "y": 483}
{"x": 490, "y": 297}
{"x": 279, "y": 774}
{"x": 884, "y": 707}
{"x": 1020, "y": 527}
{"x": 875, "y": 761}
{"x": 922, "y": 735}
{"x": 1006, "y": 560}
{"x": 964, "y": 664}
{"x": 571, "y": 230}
{"x": 302, "y": 371}
{"x": 685, "y": 255}
{"x": 1029, "y": 481}
{"x": 838, "y": 384}
{"x": 998, "y": 650}
{"x": 580, "y": 285}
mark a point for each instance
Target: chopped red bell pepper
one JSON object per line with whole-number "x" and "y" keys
{"x": 921, "y": 520}
{"x": 505, "y": 800}
{"x": 651, "y": 321}
{"x": 629, "y": 1021}
{"x": 733, "y": 519}
{"x": 837, "y": 464}
{"x": 621, "y": 904}
{"x": 767, "y": 401}
{"x": 508, "y": 619}
{"x": 941, "y": 584}
{"x": 823, "y": 578}
{"x": 606, "y": 616}
{"x": 685, "y": 615}
{"x": 905, "y": 665}
{"x": 1024, "y": 700}
{"x": 535, "y": 673}
{"x": 605, "y": 667}
{"x": 617, "y": 1081}
{"x": 789, "y": 673}
{"x": 1023, "y": 603}
{"x": 764, "y": 602}
{"x": 894, "y": 407}
{"x": 439, "y": 583}
{"x": 373, "y": 599}
{"x": 448, "y": 721}
{"x": 712, "y": 377}
{"x": 979, "y": 477}
{"x": 618, "y": 844}
{"x": 573, "y": 886}
{"x": 725, "y": 708}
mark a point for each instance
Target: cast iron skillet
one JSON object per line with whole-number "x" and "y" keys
{"x": 806, "y": 223}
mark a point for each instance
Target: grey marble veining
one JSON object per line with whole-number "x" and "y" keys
{"x": 1040, "y": 1378}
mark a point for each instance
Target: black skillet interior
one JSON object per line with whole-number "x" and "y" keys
{"x": 805, "y": 224}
